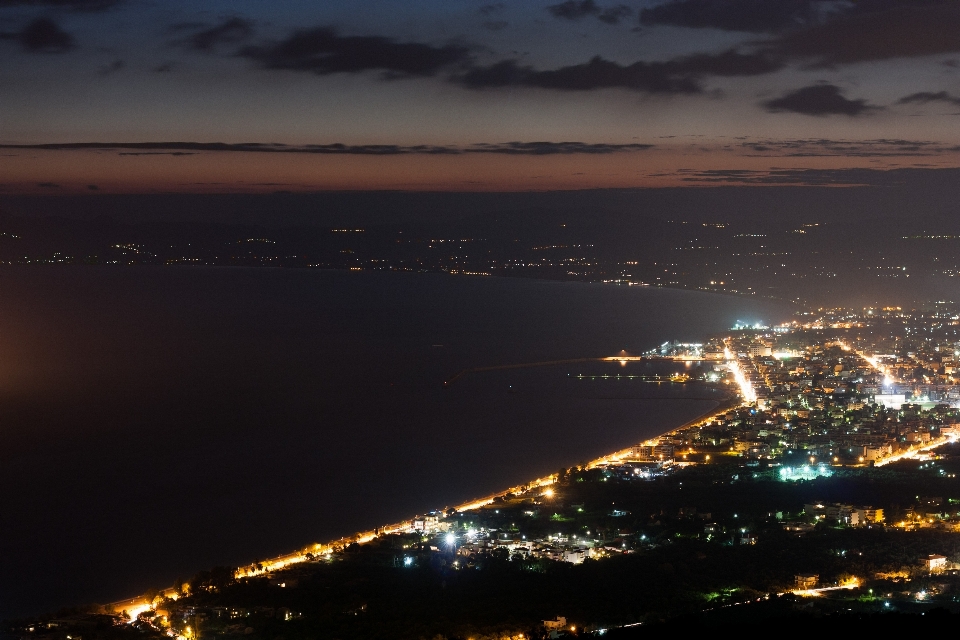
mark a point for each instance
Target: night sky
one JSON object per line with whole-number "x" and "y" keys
{"x": 139, "y": 96}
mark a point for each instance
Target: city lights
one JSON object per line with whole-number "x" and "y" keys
{"x": 805, "y": 472}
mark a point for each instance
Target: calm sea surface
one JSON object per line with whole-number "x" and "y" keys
{"x": 158, "y": 421}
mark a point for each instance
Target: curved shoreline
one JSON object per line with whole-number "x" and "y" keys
{"x": 134, "y": 606}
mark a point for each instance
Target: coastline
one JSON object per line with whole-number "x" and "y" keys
{"x": 137, "y": 604}
{"x": 319, "y": 503}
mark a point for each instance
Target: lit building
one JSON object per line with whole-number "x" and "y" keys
{"x": 935, "y": 562}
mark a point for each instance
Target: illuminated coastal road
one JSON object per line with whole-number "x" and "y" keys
{"x": 915, "y": 452}
{"x": 540, "y": 486}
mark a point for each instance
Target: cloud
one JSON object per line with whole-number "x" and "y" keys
{"x": 923, "y": 97}
{"x": 677, "y": 76}
{"x": 43, "y": 35}
{"x": 818, "y": 100}
{"x": 552, "y": 148}
{"x": 596, "y": 74}
{"x": 188, "y": 148}
{"x": 577, "y": 10}
{"x": 574, "y": 10}
{"x": 158, "y": 153}
{"x": 853, "y": 177}
{"x": 756, "y": 16}
{"x": 823, "y": 32}
{"x": 878, "y": 30}
{"x": 323, "y": 52}
{"x": 92, "y": 187}
{"x": 613, "y": 15}
{"x": 727, "y": 63}
{"x": 48, "y": 185}
{"x": 73, "y": 5}
{"x": 821, "y": 147}
{"x": 231, "y": 31}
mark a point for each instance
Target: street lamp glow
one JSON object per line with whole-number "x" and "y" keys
{"x": 451, "y": 539}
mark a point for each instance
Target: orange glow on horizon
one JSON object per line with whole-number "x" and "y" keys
{"x": 71, "y": 171}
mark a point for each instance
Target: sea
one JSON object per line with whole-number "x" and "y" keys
{"x": 157, "y": 421}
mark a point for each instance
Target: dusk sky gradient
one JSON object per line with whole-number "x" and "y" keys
{"x": 470, "y": 95}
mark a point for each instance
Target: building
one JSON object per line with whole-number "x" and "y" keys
{"x": 759, "y": 350}
{"x": 806, "y": 580}
{"x": 869, "y": 514}
{"x": 555, "y": 625}
{"x": 653, "y": 453}
{"x": 428, "y": 524}
{"x": 935, "y": 562}
{"x": 890, "y": 400}
{"x": 844, "y": 513}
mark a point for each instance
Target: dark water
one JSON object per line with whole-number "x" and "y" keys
{"x": 154, "y": 422}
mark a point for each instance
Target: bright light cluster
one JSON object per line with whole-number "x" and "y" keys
{"x": 746, "y": 388}
{"x": 806, "y": 472}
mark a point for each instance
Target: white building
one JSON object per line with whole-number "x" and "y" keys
{"x": 934, "y": 562}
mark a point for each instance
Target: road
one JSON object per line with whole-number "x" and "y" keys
{"x": 135, "y": 606}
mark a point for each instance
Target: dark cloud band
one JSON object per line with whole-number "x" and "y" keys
{"x": 574, "y": 9}
{"x": 819, "y": 100}
{"x": 323, "y": 51}
{"x": 825, "y": 148}
{"x": 677, "y": 76}
{"x": 853, "y": 177}
{"x": 579, "y": 9}
{"x": 924, "y": 97}
{"x": 186, "y": 148}
{"x": 756, "y": 16}
{"x": 825, "y": 33}
{"x": 43, "y": 35}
